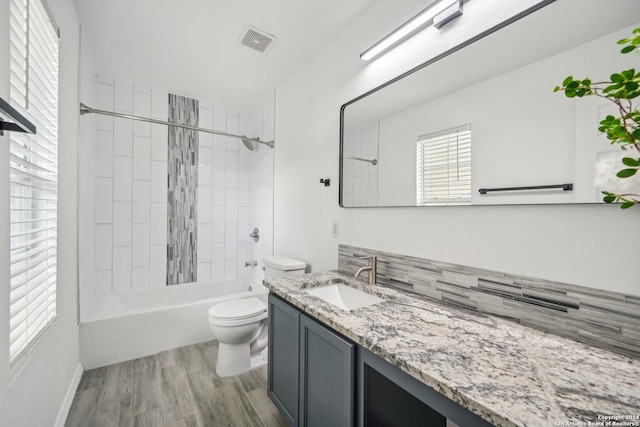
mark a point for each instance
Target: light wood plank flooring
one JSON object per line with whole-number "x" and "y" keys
{"x": 176, "y": 388}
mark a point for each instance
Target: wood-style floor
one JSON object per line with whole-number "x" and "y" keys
{"x": 177, "y": 388}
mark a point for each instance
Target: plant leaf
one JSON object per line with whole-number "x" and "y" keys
{"x": 617, "y": 78}
{"x": 631, "y": 162}
{"x": 626, "y": 173}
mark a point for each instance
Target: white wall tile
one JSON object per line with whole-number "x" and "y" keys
{"x": 139, "y": 278}
{"x": 122, "y": 179}
{"x": 205, "y": 175}
{"x": 204, "y": 243}
{"x": 141, "y": 108}
{"x": 232, "y": 169}
{"x": 159, "y": 104}
{"x": 204, "y": 271}
{"x": 243, "y": 189}
{"x": 231, "y": 206}
{"x": 220, "y": 118}
{"x": 104, "y": 153}
{"x": 217, "y": 261}
{"x": 158, "y": 266}
{"x": 205, "y": 158}
{"x": 104, "y": 96}
{"x": 104, "y": 247}
{"x": 159, "y": 142}
{"x": 233, "y": 126}
{"x": 158, "y": 181}
{"x": 217, "y": 224}
{"x": 158, "y": 224}
{"x": 218, "y": 180}
{"x": 121, "y": 269}
{"x": 230, "y": 242}
{"x": 205, "y": 139}
{"x": 204, "y": 205}
{"x": 140, "y": 245}
{"x": 141, "y": 158}
{"x": 230, "y": 269}
{"x": 104, "y": 101}
{"x": 244, "y": 228}
{"x": 244, "y": 254}
{"x": 123, "y": 98}
{"x": 206, "y": 117}
{"x": 122, "y": 224}
{"x": 123, "y": 137}
{"x": 103, "y": 201}
{"x": 219, "y": 159}
{"x": 141, "y": 202}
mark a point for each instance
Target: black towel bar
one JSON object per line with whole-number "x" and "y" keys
{"x": 564, "y": 187}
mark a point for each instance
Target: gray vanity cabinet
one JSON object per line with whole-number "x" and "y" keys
{"x": 283, "y": 362}
{"x": 311, "y": 369}
{"x": 326, "y": 377}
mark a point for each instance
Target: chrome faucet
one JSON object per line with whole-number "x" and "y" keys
{"x": 371, "y": 268}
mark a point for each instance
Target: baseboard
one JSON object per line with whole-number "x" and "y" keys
{"x": 68, "y": 398}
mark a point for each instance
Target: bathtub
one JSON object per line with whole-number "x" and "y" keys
{"x": 139, "y": 323}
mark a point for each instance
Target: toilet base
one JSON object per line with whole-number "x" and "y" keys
{"x": 235, "y": 359}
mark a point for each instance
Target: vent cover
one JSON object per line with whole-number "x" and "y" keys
{"x": 257, "y": 39}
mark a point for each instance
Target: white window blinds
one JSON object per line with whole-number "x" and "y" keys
{"x": 34, "y": 173}
{"x": 443, "y": 167}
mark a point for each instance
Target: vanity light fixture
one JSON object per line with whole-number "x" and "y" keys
{"x": 440, "y": 13}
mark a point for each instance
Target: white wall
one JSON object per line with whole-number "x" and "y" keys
{"x": 569, "y": 243}
{"x": 35, "y": 395}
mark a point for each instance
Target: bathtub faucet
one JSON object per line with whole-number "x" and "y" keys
{"x": 250, "y": 263}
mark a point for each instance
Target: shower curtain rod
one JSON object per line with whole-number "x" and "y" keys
{"x": 372, "y": 161}
{"x": 88, "y": 110}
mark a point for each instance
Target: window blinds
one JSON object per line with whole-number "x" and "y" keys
{"x": 34, "y": 173}
{"x": 443, "y": 167}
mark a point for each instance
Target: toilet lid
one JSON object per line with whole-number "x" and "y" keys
{"x": 238, "y": 308}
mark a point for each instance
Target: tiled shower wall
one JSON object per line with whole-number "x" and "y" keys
{"x": 361, "y": 178}
{"x": 598, "y": 317}
{"x": 123, "y": 208}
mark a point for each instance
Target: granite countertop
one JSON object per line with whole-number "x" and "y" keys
{"x": 508, "y": 374}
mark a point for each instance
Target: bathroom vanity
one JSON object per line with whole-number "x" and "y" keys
{"x": 412, "y": 361}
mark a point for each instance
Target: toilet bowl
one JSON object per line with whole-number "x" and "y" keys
{"x": 240, "y": 326}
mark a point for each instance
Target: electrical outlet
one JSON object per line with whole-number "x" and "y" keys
{"x": 335, "y": 229}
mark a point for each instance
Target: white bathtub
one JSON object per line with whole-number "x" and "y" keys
{"x": 140, "y": 323}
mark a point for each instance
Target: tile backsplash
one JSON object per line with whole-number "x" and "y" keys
{"x": 601, "y": 318}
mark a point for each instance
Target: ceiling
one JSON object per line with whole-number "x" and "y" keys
{"x": 191, "y": 47}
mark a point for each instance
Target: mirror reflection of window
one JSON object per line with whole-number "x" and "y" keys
{"x": 443, "y": 167}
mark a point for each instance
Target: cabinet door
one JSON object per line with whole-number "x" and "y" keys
{"x": 283, "y": 362}
{"x": 327, "y": 377}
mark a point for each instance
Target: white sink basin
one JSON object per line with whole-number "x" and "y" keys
{"x": 343, "y": 296}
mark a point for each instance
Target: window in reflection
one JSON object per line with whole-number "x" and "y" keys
{"x": 443, "y": 167}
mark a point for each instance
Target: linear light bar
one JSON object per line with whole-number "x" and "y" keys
{"x": 409, "y": 28}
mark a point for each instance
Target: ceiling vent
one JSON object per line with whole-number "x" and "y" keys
{"x": 257, "y": 39}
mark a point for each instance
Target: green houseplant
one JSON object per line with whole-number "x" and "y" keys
{"x": 624, "y": 130}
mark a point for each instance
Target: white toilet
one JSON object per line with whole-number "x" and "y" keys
{"x": 240, "y": 325}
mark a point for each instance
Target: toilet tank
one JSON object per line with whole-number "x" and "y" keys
{"x": 279, "y": 266}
